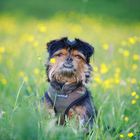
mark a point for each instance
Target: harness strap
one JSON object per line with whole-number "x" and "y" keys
{"x": 49, "y": 100}
{"x": 62, "y": 105}
{"x": 76, "y": 102}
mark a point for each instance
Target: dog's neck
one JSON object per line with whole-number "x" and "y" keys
{"x": 65, "y": 88}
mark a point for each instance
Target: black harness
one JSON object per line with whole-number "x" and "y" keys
{"x": 62, "y": 99}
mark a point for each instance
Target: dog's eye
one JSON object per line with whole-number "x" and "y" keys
{"x": 60, "y": 54}
{"x": 78, "y": 56}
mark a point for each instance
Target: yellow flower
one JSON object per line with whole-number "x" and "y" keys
{"x": 21, "y": 74}
{"x": 2, "y": 49}
{"x": 117, "y": 80}
{"x": 36, "y": 71}
{"x": 105, "y": 46}
{"x": 133, "y": 93}
{"x": 118, "y": 70}
{"x": 133, "y": 81}
{"x": 135, "y": 57}
{"x": 132, "y": 40}
{"x": 25, "y": 78}
{"x": 42, "y": 28}
{"x": 30, "y": 38}
{"x": 116, "y": 75}
{"x": 134, "y": 66}
{"x": 52, "y": 60}
{"x": 98, "y": 79}
{"x": 130, "y": 135}
{"x": 3, "y": 81}
{"x": 35, "y": 43}
{"x": 103, "y": 69}
{"x": 121, "y": 136}
{"x": 133, "y": 102}
{"x": 126, "y": 118}
{"x": 126, "y": 53}
{"x": 137, "y": 96}
{"x": 107, "y": 83}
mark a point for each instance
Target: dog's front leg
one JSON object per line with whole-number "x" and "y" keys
{"x": 81, "y": 114}
{"x": 50, "y": 109}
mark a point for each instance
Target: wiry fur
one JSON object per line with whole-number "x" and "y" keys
{"x": 83, "y": 75}
{"x": 77, "y": 55}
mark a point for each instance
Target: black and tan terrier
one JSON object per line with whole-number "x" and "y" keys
{"x": 68, "y": 71}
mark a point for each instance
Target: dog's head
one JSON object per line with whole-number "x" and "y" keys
{"x": 68, "y": 61}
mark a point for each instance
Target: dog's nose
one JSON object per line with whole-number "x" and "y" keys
{"x": 69, "y": 59}
{"x": 68, "y": 62}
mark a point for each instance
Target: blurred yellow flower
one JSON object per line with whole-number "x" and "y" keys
{"x": 25, "y": 78}
{"x": 134, "y": 66}
{"x": 3, "y": 81}
{"x": 130, "y": 134}
{"x": 21, "y": 74}
{"x": 98, "y": 79}
{"x": 107, "y": 83}
{"x": 126, "y": 119}
{"x": 135, "y": 57}
{"x": 105, "y": 46}
{"x": 42, "y": 28}
{"x": 103, "y": 68}
{"x": 30, "y": 38}
{"x": 137, "y": 96}
{"x": 133, "y": 81}
{"x": 132, "y": 40}
{"x": 133, "y": 93}
{"x": 36, "y": 71}
{"x": 117, "y": 75}
{"x": 35, "y": 43}
{"x": 126, "y": 53}
{"x": 2, "y": 49}
{"x": 121, "y": 136}
{"x": 52, "y": 60}
{"x": 117, "y": 70}
{"x": 117, "y": 80}
{"x": 133, "y": 102}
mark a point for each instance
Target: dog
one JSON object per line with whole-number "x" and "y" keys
{"x": 68, "y": 71}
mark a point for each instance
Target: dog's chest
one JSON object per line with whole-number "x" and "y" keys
{"x": 62, "y": 102}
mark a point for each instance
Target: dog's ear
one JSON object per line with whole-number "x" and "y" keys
{"x": 86, "y": 48}
{"x": 49, "y": 45}
{"x": 55, "y": 45}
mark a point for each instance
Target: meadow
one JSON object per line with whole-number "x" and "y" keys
{"x": 115, "y": 84}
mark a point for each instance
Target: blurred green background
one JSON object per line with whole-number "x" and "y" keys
{"x": 124, "y": 10}
{"x": 111, "y": 26}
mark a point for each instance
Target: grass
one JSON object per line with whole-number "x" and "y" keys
{"x": 115, "y": 85}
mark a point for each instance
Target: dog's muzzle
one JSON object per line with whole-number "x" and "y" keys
{"x": 68, "y": 63}
{"x": 68, "y": 66}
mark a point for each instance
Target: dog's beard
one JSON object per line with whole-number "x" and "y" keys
{"x": 62, "y": 76}
{"x": 55, "y": 73}
{"x": 65, "y": 78}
